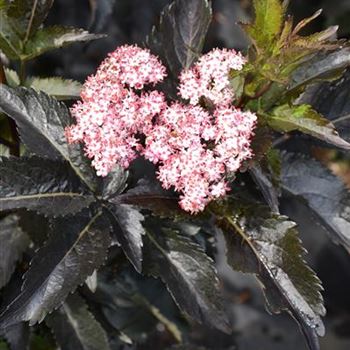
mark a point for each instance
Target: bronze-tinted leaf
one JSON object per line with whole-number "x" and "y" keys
{"x": 41, "y": 185}
{"x": 41, "y": 121}
{"x": 13, "y": 243}
{"x": 76, "y": 247}
{"x": 324, "y": 194}
{"x": 179, "y": 38}
{"x": 268, "y": 246}
{"x": 128, "y": 230}
{"x": 189, "y": 274}
{"x": 75, "y": 327}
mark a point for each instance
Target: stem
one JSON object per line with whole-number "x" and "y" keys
{"x": 245, "y": 99}
{"x": 263, "y": 90}
{"x": 15, "y": 145}
{"x": 22, "y": 73}
{"x": 29, "y": 28}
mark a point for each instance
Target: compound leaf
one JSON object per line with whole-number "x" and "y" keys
{"x": 13, "y": 243}
{"x": 189, "y": 274}
{"x": 324, "y": 193}
{"x": 41, "y": 121}
{"x": 75, "y": 327}
{"x": 303, "y": 118}
{"x": 76, "y": 247}
{"x": 267, "y": 245}
{"x": 45, "y": 186}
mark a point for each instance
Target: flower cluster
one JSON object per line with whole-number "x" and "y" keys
{"x": 209, "y": 77}
{"x": 193, "y": 148}
{"x": 112, "y": 113}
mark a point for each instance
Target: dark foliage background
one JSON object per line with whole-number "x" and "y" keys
{"x": 129, "y": 21}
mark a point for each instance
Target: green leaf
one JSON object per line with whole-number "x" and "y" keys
{"x": 13, "y": 243}
{"x": 180, "y": 35}
{"x": 61, "y": 89}
{"x": 12, "y": 78}
{"x": 4, "y": 151}
{"x": 75, "y": 327}
{"x": 54, "y": 37}
{"x": 41, "y": 185}
{"x": 269, "y": 16}
{"x": 128, "y": 230}
{"x": 189, "y": 274}
{"x": 57, "y": 87}
{"x": 324, "y": 194}
{"x": 29, "y": 15}
{"x": 41, "y": 121}
{"x": 277, "y": 57}
{"x": 303, "y": 118}
{"x": 19, "y": 20}
{"x": 10, "y": 41}
{"x": 76, "y": 247}
{"x": 21, "y": 36}
{"x": 268, "y": 246}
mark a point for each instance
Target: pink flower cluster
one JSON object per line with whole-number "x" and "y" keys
{"x": 193, "y": 148}
{"x": 112, "y": 113}
{"x": 209, "y": 77}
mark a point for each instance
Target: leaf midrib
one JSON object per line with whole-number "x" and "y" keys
{"x": 44, "y": 195}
